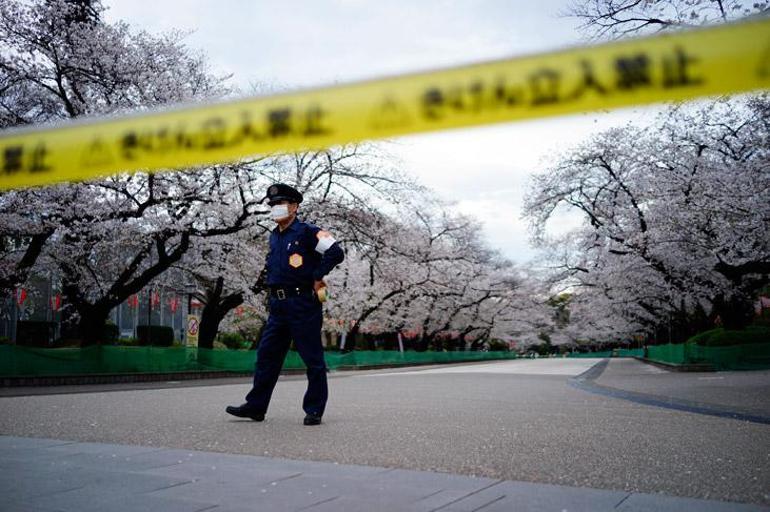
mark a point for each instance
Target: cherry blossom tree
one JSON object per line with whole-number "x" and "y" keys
{"x": 224, "y": 271}
{"x": 412, "y": 264}
{"x": 616, "y": 19}
{"x": 427, "y": 274}
{"x": 59, "y": 61}
{"x": 676, "y": 215}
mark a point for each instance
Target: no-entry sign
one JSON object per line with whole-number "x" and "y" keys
{"x": 193, "y": 325}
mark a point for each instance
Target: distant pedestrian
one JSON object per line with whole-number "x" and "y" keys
{"x": 300, "y": 256}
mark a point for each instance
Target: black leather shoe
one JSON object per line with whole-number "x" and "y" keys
{"x": 312, "y": 419}
{"x": 244, "y": 411}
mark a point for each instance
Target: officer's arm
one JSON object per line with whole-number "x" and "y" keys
{"x": 331, "y": 254}
{"x": 261, "y": 283}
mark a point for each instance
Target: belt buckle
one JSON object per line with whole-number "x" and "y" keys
{"x": 280, "y": 293}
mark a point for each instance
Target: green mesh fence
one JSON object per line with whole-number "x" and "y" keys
{"x": 606, "y": 353}
{"x": 39, "y": 362}
{"x": 753, "y": 356}
{"x": 620, "y": 352}
{"x": 394, "y": 357}
{"x": 630, "y": 352}
{"x": 740, "y": 357}
{"x": 674, "y": 354}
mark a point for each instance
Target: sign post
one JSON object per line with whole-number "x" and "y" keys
{"x": 193, "y": 325}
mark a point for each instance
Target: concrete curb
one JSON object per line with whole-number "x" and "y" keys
{"x": 72, "y": 380}
{"x": 587, "y": 382}
{"x": 692, "y": 367}
{"x": 125, "y": 378}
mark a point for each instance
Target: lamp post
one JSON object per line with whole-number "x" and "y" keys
{"x": 149, "y": 317}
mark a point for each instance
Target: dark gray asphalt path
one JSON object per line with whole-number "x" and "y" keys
{"x": 517, "y": 420}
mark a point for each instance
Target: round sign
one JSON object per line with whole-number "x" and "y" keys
{"x": 192, "y": 326}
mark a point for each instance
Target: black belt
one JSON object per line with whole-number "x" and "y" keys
{"x": 281, "y": 292}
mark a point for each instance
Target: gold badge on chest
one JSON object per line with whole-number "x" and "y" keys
{"x": 295, "y": 260}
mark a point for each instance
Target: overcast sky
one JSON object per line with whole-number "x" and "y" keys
{"x": 303, "y": 43}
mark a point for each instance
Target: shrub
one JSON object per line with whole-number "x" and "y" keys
{"x": 127, "y": 342}
{"x": 66, "y": 343}
{"x": 497, "y": 346}
{"x": 233, "y": 340}
{"x": 155, "y": 335}
{"x": 31, "y": 333}
{"x": 721, "y": 337}
{"x": 111, "y": 333}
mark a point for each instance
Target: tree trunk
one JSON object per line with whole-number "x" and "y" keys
{"x": 69, "y": 324}
{"x": 217, "y": 306}
{"x": 19, "y": 274}
{"x": 91, "y": 325}
{"x": 93, "y": 314}
{"x": 211, "y": 316}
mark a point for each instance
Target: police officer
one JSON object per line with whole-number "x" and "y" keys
{"x": 301, "y": 254}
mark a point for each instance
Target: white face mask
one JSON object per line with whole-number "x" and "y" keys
{"x": 279, "y": 211}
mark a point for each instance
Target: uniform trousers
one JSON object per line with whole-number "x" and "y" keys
{"x": 297, "y": 318}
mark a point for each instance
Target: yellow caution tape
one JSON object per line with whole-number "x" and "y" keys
{"x": 724, "y": 59}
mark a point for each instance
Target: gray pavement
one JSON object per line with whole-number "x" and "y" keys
{"x": 516, "y": 423}
{"x": 46, "y": 475}
{"x": 747, "y": 391}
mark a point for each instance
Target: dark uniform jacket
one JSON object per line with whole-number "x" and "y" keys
{"x": 300, "y": 254}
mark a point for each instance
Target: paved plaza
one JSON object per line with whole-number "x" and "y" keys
{"x": 566, "y": 434}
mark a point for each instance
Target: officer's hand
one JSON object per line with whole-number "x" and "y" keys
{"x": 317, "y": 285}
